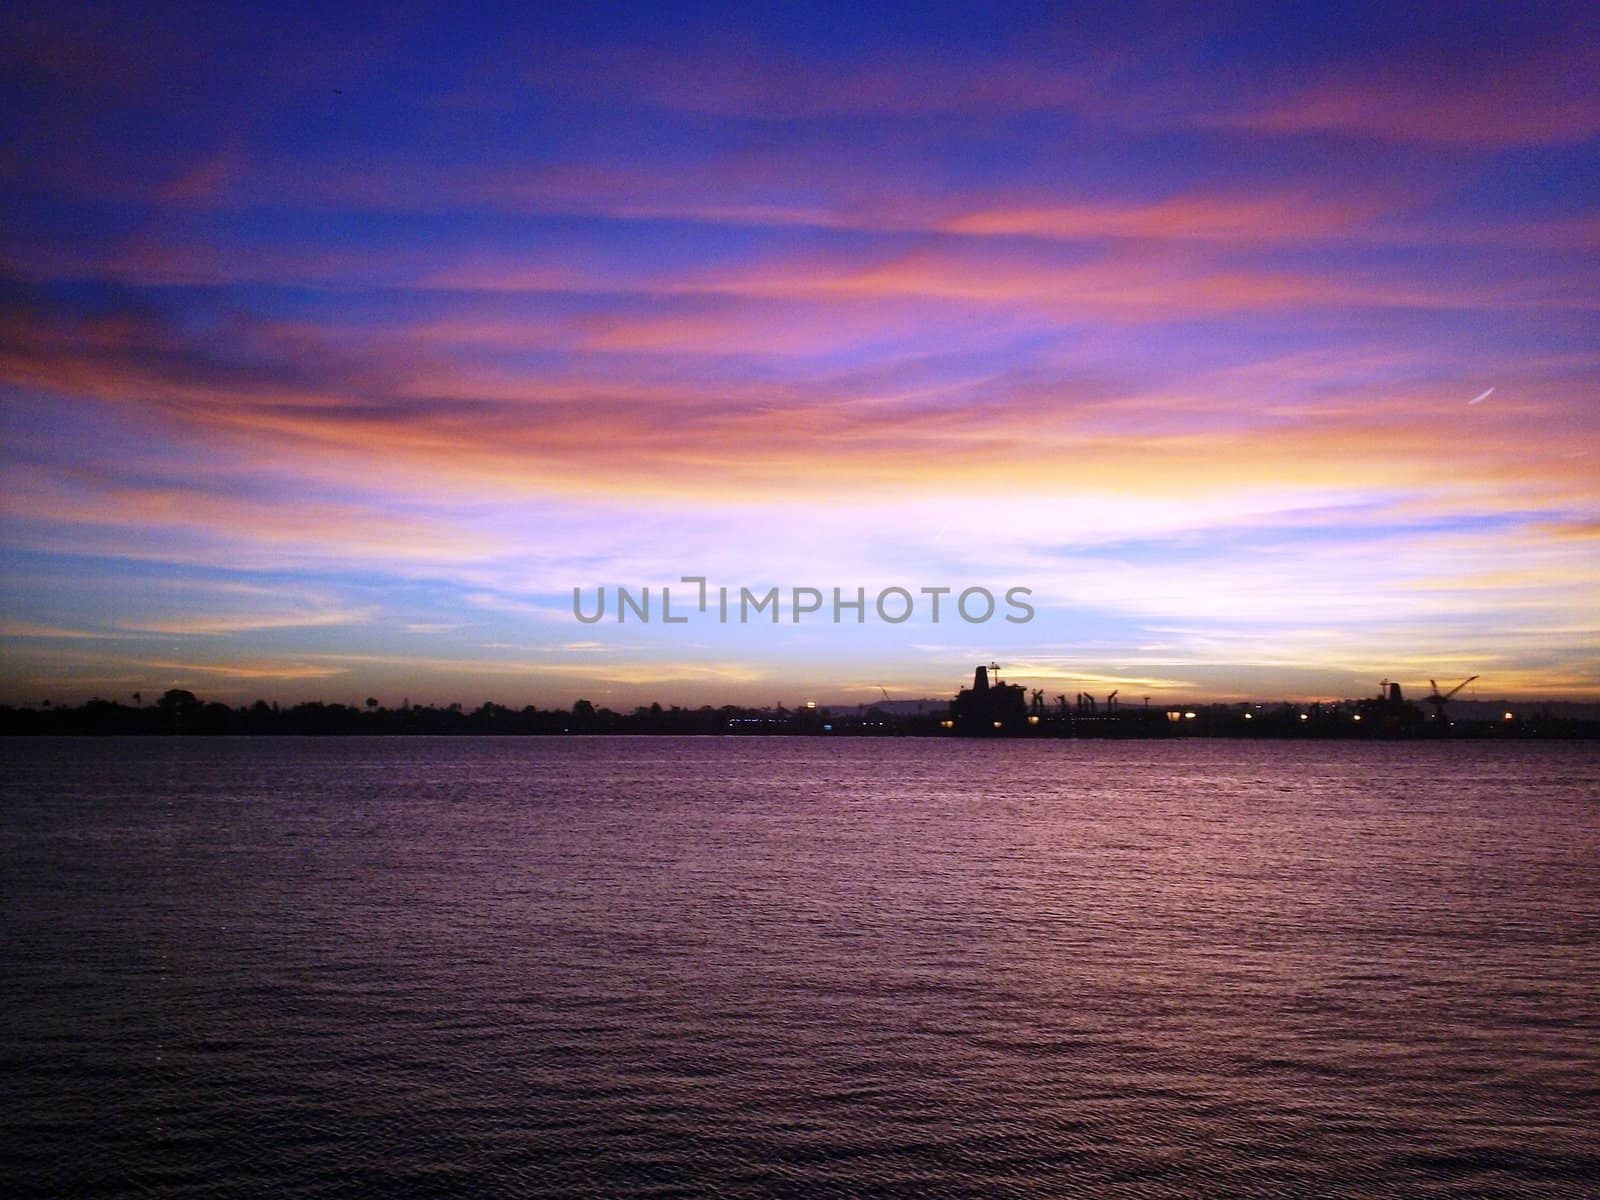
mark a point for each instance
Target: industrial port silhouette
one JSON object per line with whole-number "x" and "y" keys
{"x": 989, "y": 708}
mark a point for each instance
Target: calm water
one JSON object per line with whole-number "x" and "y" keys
{"x": 717, "y": 967}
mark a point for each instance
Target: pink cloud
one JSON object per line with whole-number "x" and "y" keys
{"x": 1492, "y": 97}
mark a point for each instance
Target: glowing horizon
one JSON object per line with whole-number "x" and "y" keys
{"x": 1264, "y": 351}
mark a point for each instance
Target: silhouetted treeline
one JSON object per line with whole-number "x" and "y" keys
{"x": 181, "y": 712}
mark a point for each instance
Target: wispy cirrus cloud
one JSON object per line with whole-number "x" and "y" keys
{"x": 1492, "y": 95}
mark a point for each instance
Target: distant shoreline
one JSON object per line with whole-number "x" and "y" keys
{"x": 182, "y": 714}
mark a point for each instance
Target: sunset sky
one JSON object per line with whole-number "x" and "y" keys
{"x": 336, "y": 349}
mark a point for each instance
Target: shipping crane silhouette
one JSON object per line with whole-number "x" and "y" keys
{"x": 1437, "y": 699}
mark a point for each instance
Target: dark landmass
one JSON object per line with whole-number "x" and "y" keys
{"x": 1005, "y": 714}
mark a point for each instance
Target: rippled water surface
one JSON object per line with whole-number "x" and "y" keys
{"x": 799, "y": 967}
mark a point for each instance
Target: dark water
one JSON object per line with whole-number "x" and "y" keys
{"x": 594, "y": 967}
